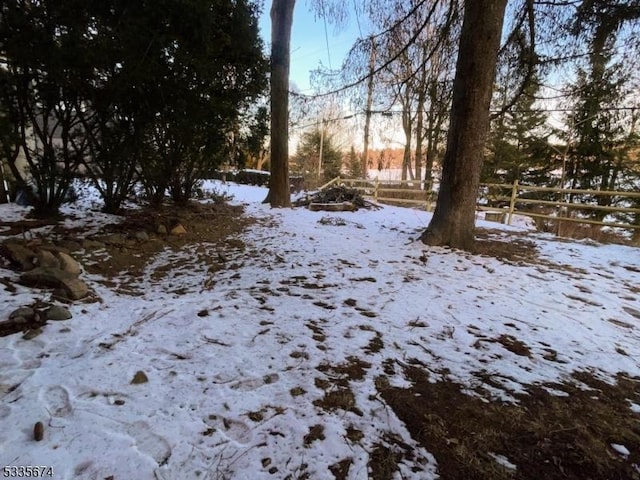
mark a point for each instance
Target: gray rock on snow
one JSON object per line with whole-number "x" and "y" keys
{"x": 58, "y": 313}
{"x": 74, "y": 288}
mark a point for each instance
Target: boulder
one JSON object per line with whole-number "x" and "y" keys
{"x": 141, "y": 236}
{"x": 27, "y": 313}
{"x": 115, "y": 239}
{"x": 73, "y": 287}
{"x": 70, "y": 245}
{"x": 178, "y": 230}
{"x": 31, "y": 334}
{"x": 90, "y": 244}
{"x": 18, "y": 255}
{"x": 47, "y": 259}
{"x": 68, "y": 264}
{"x": 52, "y": 248}
{"x": 162, "y": 230}
{"x": 57, "y": 313}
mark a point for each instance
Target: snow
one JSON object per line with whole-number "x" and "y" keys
{"x": 502, "y": 460}
{"x": 224, "y": 359}
{"x": 621, "y": 449}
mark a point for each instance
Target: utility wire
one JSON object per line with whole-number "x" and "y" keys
{"x": 390, "y": 113}
{"x": 355, "y": 8}
{"x": 326, "y": 35}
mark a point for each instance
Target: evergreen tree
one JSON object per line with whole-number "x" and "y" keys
{"x": 518, "y": 143}
{"x": 354, "y": 164}
{"x": 308, "y": 155}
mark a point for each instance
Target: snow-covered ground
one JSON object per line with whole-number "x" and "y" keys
{"x": 234, "y": 384}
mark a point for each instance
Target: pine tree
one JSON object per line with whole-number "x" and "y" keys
{"x": 518, "y": 143}
{"x": 308, "y": 155}
{"x": 354, "y": 164}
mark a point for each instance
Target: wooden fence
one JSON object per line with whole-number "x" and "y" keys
{"x": 503, "y": 201}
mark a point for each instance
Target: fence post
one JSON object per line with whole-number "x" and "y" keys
{"x": 512, "y": 203}
{"x": 375, "y": 191}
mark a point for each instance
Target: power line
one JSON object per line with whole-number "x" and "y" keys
{"x": 391, "y": 113}
{"x": 355, "y": 8}
{"x": 326, "y": 34}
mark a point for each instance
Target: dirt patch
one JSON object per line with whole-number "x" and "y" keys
{"x": 340, "y": 470}
{"x": 204, "y": 225}
{"x": 510, "y": 343}
{"x": 383, "y": 462}
{"x": 562, "y": 431}
{"x": 353, "y": 369}
{"x": 513, "y": 249}
{"x": 337, "y": 386}
{"x": 339, "y": 399}
{"x": 202, "y": 234}
{"x": 316, "y": 432}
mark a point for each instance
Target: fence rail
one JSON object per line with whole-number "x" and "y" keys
{"x": 506, "y": 200}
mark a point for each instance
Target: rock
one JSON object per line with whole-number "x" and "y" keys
{"x": 68, "y": 264}
{"x": 21, "y": 320}
{"x": 141, "y": 236}
{"x": 31, "y": 334}
{"x": 19, "y": 255}
{"x": 90, "y": 244}
{"x": 15, "y": 321}
{"x": 70, "y": 245}
{"x": 162, "y": 230}
{"x": 139, "y": 377}
{"x": 115, "y": 239}
{"x": 178, "y": 230}
{"x": 47, "y": 259}
{"x": 36, "y": 242}
{"x": 74, "y": 288}
{"x": 59, "y": 294}
{"x": 26, "y": 313}
{"x": 38, "y": 431}
{"x": 58, "y": 313}
{"x": 53, "y": 248}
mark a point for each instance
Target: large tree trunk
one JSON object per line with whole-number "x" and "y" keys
{"x": 281, "y": 22}
{"x": 453, "y": 221}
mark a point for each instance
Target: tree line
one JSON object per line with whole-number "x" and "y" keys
{"x": 155, "y": 93}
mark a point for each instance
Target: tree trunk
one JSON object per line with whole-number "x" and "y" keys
{"x": 453, "y": 221}
{"x": 281, "y": 22}
{"x": 408, "y": 134}
{"x": 367, "y": 122}
{"x": 420, "y": 130}
{"x": 422, "y": 94}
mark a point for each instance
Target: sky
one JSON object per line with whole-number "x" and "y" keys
{"x": 241, "y": 361}
{"x": 309, "y": 47}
